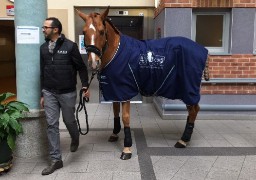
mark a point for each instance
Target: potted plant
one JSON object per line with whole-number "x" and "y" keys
{"x": 10, "y": 127}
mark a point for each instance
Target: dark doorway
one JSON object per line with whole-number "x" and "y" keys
{"x": 7, "y": 58}
{"x": 129, "y": 25}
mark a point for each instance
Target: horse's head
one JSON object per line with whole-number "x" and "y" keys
{"x": 95, "y": 38}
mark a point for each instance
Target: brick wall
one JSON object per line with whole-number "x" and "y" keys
{"x": 204, "y": 3}
{"x": 233, "y": 66}
{"x": 238, "y": 89}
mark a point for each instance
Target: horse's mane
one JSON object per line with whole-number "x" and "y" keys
{"x": 112, "y": 25}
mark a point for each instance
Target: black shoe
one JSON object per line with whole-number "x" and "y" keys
{"x": 55, "y": 164}
{"x": 74, "y": 145}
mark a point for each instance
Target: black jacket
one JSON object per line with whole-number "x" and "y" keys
{"x": 59, "y": 69}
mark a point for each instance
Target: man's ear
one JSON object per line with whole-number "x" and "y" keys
{"x": 55, "y": 30}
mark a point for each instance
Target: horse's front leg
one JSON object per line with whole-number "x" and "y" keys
{"x": 192, "y": 113}
{"x": 126, "y": 154}
{"x": 117, "y": 123}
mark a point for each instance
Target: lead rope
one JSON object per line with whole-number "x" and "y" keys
{"x": 81, "y": 106}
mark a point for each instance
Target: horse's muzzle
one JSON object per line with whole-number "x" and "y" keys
{"x": 95, "y": 65}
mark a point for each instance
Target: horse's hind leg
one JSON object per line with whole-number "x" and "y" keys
{"x": 117, "y": 123}
{"x": 126, "y": 154}
{"x": 192, "y": 113}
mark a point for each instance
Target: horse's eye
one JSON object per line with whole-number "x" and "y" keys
{"x": 102, "y": 32}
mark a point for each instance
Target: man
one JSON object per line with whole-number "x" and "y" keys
{"x": 60, "y": 60}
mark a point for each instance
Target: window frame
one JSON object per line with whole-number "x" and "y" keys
{"x": 225, "y": 49}
{"x": 254, "y": 41}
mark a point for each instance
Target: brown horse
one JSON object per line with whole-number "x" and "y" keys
{"x": 104, "y": 46}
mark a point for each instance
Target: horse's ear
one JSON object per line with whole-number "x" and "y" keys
{"x": 82, "y": 15}
{"x": 104, "y": 14}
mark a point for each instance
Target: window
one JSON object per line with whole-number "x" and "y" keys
{"x": 212, "y": 30}
{"x": 254, "y": 45}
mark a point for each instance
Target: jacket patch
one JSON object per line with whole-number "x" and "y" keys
{"x": 62, "y": 52}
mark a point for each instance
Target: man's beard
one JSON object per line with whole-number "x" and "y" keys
{"x": 47, "y": 37}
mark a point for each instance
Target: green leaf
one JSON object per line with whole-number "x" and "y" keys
{"x": 11, "y": 141}
{"x": 20, "y": 106}
{"x": 5, "y": 96}
{"x": 14, "y": 114}
{"x": 4, "y": 119}
{"x": 15, "y": 125}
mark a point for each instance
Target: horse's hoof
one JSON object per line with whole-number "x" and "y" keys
{"x": 126, "y": 156}
{"x": 180, "y": 144}
{"x": 113, "y": 138}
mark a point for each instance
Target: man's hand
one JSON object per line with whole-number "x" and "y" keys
{"x": 86, "y": 92}
{"x": 42, "y": 102}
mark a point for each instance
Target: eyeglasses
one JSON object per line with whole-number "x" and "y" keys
{"x": 46, "y": 27}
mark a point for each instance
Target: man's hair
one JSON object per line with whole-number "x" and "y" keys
{"x": 56, "y": 23}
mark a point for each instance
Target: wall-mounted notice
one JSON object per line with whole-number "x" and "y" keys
{"x": 27, "y": 35}
{"x": 10, "y": 10}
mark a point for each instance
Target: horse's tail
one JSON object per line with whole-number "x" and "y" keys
{"x": 206, "y": 70}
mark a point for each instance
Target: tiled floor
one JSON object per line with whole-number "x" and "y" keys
{"x": 219, "y": 149}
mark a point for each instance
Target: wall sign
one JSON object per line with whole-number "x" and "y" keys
{"x": 27, "y": 35}
{"x": 10, "y": 10}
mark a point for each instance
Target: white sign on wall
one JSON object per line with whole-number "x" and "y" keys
{"x": 27, "y": 35}
{"x": 10, "y": 10}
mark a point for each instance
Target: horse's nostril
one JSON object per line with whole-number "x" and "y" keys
{"x": 98, "y": 63}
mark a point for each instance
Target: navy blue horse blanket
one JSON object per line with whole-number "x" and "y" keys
{"x": 169, "y": 67}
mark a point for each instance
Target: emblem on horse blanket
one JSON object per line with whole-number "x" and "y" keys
{"x": 169, "y": 67}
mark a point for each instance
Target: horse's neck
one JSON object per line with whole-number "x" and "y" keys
{"x": 113, "y": 39}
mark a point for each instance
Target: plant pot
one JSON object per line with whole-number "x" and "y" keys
{"x": 6, "y": 156}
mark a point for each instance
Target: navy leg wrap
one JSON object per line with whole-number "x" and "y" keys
{"x": 187, "y": 132}
{"x": 117, "y": 125}
{"x": 127, "y": 137}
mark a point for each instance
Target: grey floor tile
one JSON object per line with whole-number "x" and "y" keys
{"x": 219, "y": 143}
{"x": 74, "y": 167}
{"x": 85, "y": 176}
{"x": 233, "y": 163}
{"x": 222, "y": 174}
{"x": 90, "y": 156}
{"x": 27, "y": 177}
{"x": 236, "y": 140}
{"x": 212, "y": 136}
{"x": 156, "y": 141}
{"x": 126, "y": 176}
{"x": 199, "y": 143}
{"x": 22, "y": 167}
{"x": 117, "y": 165}
{"x": 167, "y": 167}
{"x": 195, "y": 174}
{"x": 247, "y": 174}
